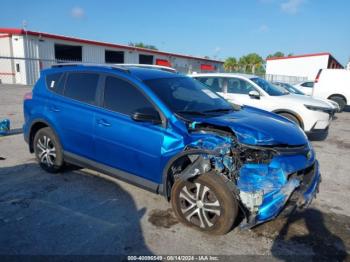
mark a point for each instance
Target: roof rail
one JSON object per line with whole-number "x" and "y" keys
{"x": 112, "y": 66}
{"x": 163, "y": 68}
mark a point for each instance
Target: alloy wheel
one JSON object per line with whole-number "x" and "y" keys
{"x": 199, "y": 205}
{"x": 46, "y": 151}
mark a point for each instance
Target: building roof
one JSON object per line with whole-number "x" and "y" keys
{"x": 305, "y": 55}
{"x": 17, "y": 31}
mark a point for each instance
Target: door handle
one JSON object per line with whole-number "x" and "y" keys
{"x": 55, "y": 109}
{"x": 103, "y": 122}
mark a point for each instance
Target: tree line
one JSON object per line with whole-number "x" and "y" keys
{"x": 251, "y": 63}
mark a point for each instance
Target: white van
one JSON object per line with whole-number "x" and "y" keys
{"x": 333, "y": 84}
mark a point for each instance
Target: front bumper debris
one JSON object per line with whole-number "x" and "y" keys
{"x": 297, "y": 193}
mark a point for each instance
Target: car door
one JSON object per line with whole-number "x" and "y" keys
{"x": 72, "y": 111}
{"x": 121, "y": 142}
{"x": 237, "y": 91}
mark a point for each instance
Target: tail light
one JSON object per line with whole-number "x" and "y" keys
{"x": 28, "y": 96}
{"x": 318, "y": 76}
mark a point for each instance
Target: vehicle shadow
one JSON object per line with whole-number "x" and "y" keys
{"x": 308, "y": 229}
{"x": 69, "y": 213}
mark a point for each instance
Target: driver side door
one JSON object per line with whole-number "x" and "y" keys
{"x": 121, "y": 142}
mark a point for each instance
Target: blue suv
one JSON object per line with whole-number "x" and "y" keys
{"x": 170, "y": 134}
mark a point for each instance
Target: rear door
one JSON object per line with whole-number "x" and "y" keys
{"x": 122, "y": 143}
{"x": 72, "y": 112}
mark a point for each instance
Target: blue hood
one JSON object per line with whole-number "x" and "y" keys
{"x": 258, "y": 127}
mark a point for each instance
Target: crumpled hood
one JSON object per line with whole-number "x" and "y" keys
{"x": 258, "y": 127}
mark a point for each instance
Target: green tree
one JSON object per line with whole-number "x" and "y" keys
{"x": 277, "y": 54}
{"x": 230, "y": 64}
{"x": 252, "y": 63}
{"x": 142, "y": 45}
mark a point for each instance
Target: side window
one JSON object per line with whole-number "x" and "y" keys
{"x": 239, "y": 86}
{"x": 214, "y": 83}
{"x": 122, "y": 97}
{"x": 55, "y": 82}
{"x": 82, "y": 87}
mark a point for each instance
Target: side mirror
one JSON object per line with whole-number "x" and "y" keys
{"x": 147, "y": 115}
{"x": 254, "y": 94}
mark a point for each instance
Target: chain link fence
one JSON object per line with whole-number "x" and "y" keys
{"x": 19, "y": 70}
{"x": 285, "y": 79}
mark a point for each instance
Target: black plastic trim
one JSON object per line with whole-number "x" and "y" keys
{"x": 122, "y": 175}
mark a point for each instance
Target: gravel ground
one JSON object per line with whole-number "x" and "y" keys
{"x": 82, "y": 212}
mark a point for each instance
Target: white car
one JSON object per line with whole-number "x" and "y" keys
{"x": 305, "y": 87}
{"x": 333, "y": 84}
{"x": 295, "y": 91}
{"x": 313, "y": 116}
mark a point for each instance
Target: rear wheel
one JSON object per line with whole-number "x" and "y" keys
{"x": 340, "y": 101}
{"x": 205, "y": 203}
{"x": 48, "y": 150}
{"x": 290, "y": 117}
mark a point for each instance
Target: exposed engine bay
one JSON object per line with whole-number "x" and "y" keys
{"x": 262, "y": 178}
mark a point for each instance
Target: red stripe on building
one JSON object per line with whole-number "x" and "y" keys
{"x": 163, "y": 62}
{"x": 206, "y": 67}
{"x": 16, "y": 31}
{"x": 297, "y": 56}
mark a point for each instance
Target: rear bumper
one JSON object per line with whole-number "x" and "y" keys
{"x": 296, "y": 193}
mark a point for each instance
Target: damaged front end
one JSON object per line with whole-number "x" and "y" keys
{"x": 263, "y": 179}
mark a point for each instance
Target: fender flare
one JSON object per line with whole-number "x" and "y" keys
{"x": 165, "y": 173}
{"x": 48, "y": 124}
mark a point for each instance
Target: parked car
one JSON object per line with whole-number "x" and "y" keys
{"x": 305, "y": 87}
{"x": 313, "y": 116}
{"x": 333, "y": 84}
{"x": 172, "y": 135}
{"x": 293, "y": 90}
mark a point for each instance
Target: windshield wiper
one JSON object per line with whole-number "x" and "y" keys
{"x": 191, "y": 112}
{"x": 219, "y": 110}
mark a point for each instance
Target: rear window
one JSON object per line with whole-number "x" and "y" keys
{"x": 82, "y": 87}
{"x": 55, "y": 82}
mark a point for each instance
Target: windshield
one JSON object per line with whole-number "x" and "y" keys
{"x": 293, "y": 89}
{"x": 186, "y": 96}
{"x": 267, "y": 87}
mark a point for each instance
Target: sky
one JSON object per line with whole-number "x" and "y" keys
{"x": 216, "y": 28}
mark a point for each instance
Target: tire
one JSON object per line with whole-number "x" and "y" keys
{"x": 291, "y": 118}
{"x": 48, "y": 150}
{"x": 213, "y": 194}
{"x": 340, "y": 101}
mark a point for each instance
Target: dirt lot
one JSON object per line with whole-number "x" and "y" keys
{"x": 84, "y": 212}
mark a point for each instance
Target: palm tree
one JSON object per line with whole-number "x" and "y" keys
{"x": 255, "y": 61}
{"x": 230, "y": 64}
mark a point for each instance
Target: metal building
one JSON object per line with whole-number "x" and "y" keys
{"x": 300, "y": 66}
{"x": 24, "y": 53}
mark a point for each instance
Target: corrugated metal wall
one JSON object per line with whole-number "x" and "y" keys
{"x": 39, "y": 53}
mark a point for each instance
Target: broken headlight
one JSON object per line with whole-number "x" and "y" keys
{"x": 258, "y": 156}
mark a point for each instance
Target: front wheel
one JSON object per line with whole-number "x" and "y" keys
{"x": 48, "y": 150}
{"x": 205, "y": 203}
{"x": 340, "y": 101}
{"x": 291, "y": 118}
